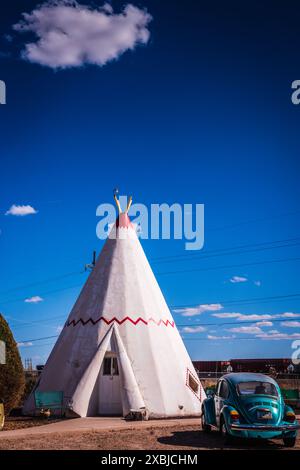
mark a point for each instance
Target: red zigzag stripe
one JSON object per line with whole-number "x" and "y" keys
{"x": 120, "y": 322}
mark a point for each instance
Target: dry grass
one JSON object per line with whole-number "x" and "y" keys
{"x": 155, "y": 438}
{"x": 22, "y": 422}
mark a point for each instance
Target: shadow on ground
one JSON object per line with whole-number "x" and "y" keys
{"x": 201, "y": 440}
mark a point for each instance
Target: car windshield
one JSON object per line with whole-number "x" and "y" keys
{"x": 257, "y": 388}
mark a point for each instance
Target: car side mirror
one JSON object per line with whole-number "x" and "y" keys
{"x": 210, "y": 393}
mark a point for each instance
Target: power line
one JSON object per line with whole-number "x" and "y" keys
{"x": 286, "y": 214}
{"x": 173, "y": 272}
{"x": 42, "y": 293}
{"x": 37, "y": 339}
{"x": 238, "y": 322}
{"x": 237, "y": 301}
{"x": 185, "y": 339}
{"x": 37, "y": 345}
{"x": 30, "y": 323}
{"x": 261, "y": 219}
{"x": 186, "y": 257}
{"x": 290, "y": 242}
{"x": 46, "y": 281}
{"x": 174, "y": 307}
{"x": 212, "y": 268}
{"x": 218, "y": 324}
{"x": 226, "y": 253}
{"x": 227, "y": 339}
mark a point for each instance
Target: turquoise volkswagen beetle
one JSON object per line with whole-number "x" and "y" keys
{"x": 249, "y": 405}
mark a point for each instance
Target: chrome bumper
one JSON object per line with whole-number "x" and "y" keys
{"x": 264, "y": 427}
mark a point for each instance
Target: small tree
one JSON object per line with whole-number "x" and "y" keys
{"x": 12, "y": 380}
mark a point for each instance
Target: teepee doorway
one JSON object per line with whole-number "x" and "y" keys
{"x": 110, "y": 401}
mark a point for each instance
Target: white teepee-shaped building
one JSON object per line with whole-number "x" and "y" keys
{"x": 120, "y": 352}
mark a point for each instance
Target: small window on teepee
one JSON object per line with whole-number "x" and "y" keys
{"x": 107, "y": 366}
{"x": 192, "y": 383}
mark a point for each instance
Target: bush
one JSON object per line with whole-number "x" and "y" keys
{"x": 30, "y": 383}
{"x": 12, "y": 380}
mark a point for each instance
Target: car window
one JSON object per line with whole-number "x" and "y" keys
{"x": 218, "y": 388}
{"x": 224, "y": 391}
{"x": 257, "y": 388}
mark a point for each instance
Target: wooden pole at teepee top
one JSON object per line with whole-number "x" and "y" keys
{"x": 129, "y": 204}
{"x": 118, "y": 203}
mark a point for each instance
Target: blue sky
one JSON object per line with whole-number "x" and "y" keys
{"x": 198, "y": 111}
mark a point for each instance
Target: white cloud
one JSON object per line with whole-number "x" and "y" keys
{"x": 237, "y": 279}
{"x": 291, "y": 324}
{"x": 34, "y": 300}
{"x": 226, "y": 315}
{"x": 276, "y": 335}
{"x": 264, "y": 323}
{"x": 290, "y": 315}
{"x": 251, "y": 330}
{"x": 193, "y": 329}
{"x": 193, "y": 311}
{"x": 257, "y": 283}
{"x": 69, "y": 34}
{"x": 24, "y": 345}
{"x": 255, "y": 317}
{"x": 243, "y": 317}
{"x": 20, "y": 210}
{"x": 59, "y": 328}
{"x": 212, "y": 337}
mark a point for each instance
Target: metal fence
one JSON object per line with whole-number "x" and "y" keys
{"x": 217, "y": 375}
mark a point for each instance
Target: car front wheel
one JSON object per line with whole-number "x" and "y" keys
{"x": 289, "y": 441}
{"x": 205, "y": 427}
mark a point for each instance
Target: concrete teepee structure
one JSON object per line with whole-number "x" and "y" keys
{"x": 120, "y": 352}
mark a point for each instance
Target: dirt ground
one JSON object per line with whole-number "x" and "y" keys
{"x": 187, "y": 437}
{"x": 13, "y": 423}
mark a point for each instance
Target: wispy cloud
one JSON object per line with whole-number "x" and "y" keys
{"x": 69, "y": 34}
{"x": 24, "y": 345}
{"x": 251, "y": 330}
{"x": 290, "y": 315}
{"x": 255, "y": 317}
{"x": 257, "y": 283}
{"x": 238, "y": 279}
{"x": 212, "y": 337}
{"x": 20, "y": 210}
{"x": 33, "y": 300}
{"x": 193, "y": 329}
{"x": 264, "y": 323}
{"x": 265, "y": 335}
{"x": 291, "y": 324}
{"x": 59, "y": 328}
{"x": 276, "y": 335}
{"x": 193, "y": 311}
{"x": 226, "y": 315}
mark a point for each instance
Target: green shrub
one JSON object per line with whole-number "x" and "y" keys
{"x": 12, "y": 380}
